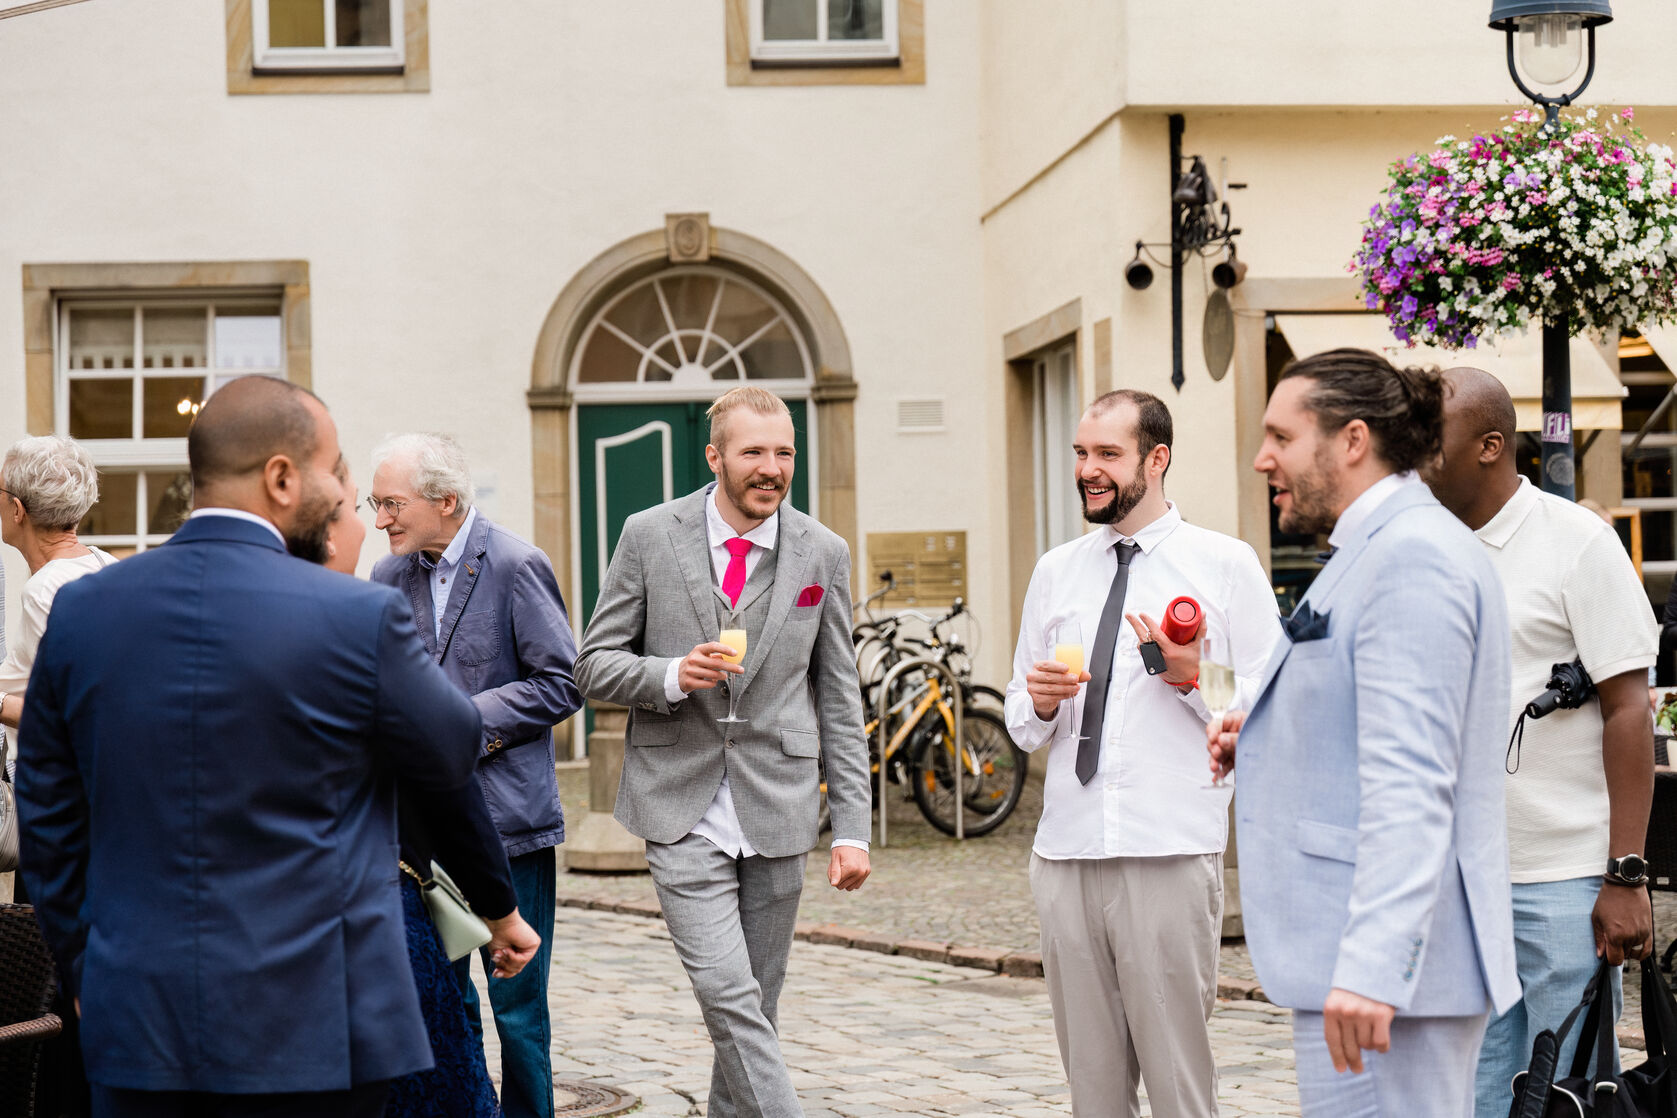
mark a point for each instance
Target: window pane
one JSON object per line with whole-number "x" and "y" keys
{"x": 175, "y": 338}
{"x": 114, "y": 514}
{"x": 169, "y": 404}
{"x": 773, "y": 356}
{"x": 296, "y": 23}
{"x": 101, "y": 339}
{"x": 363, "y": 23}
{"x": 742, "y": 314}
{"x": 855, "y": 19}
{"x": 639, "y": 316}
{"x": 690, "y": 299}
{"x": 248, "y": 339}
{"x": 101, "y": 409}
{"x": 608, "y": 358}
{"x": 168, "y": 500}
{"x": 790, "y": 19}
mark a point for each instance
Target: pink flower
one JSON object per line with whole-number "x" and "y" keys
{"x": 1536, "y": 197}
{"x": 1439, "y": 159}
{"x": 1510, "y": 282}
{"x": 1524, "y": 116}
{"x": 1629, "y": 114}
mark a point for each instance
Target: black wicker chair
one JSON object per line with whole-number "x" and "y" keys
{"x": 27, "y": 983}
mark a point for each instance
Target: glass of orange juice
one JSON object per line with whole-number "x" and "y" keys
{"x": 1067, "y": 640}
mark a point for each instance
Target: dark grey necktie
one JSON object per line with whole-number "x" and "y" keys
{"x": 1100, "y": 671}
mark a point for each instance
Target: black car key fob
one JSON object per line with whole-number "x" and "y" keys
{"x": 1152, "y": 657}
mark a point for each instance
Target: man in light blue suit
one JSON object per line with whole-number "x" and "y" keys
{"x": 1374, "y": 862}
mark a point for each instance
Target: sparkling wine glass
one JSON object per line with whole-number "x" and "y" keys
{"x": 1216, "y": 684}
{"x": 736, "y": 640}
{"x": 1067, "y": 638}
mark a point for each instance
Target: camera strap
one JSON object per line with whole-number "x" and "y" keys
{"x": 1511, "y": 760}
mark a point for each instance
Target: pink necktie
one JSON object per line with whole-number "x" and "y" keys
{"x": 733, "y": 579}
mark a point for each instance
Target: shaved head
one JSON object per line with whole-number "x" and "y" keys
{"x": 1482, "y": 401}
{"x": 1474, "y": 473}
{"x": 246, "y": 423}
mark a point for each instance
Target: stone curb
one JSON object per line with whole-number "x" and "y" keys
{"x": 1015, "y": 964}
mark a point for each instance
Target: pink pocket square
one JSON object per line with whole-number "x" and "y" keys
{"x": 810, "y": 596}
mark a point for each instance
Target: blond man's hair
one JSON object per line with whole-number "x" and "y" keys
{"x": 746, "y": 396}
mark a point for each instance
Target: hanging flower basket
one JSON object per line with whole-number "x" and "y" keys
{"x": 1481, "y": 236}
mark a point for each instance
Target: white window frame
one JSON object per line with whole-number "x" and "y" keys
{"x": 331, "y": 56}
{"x": 137, "y": 454}
{"x": 1054, "y": 388}
{"x": 821, "y": 49}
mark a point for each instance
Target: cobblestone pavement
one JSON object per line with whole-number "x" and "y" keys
{"x": 864, "y": 1033}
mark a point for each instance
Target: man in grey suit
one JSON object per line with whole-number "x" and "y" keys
{"x": 1374, "y": 861}
{"x": 729, "y": 809}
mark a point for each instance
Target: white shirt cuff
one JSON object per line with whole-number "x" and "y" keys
{"x": 857, "y": 843}
{"x": 673, "y": 693}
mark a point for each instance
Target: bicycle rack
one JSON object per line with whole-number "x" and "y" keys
{"x": 957, "y": 701}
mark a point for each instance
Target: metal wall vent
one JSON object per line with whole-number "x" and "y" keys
{"x": 920, "y": 415}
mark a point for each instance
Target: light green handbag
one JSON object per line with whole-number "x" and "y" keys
{"x": 461, "y": 930}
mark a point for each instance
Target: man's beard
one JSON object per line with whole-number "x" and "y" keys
{"x": 306, "y": 538}
{"x": 740, "y": 493}
{"x": 1124, "y": 498}
{"x": 1314, "y": 496}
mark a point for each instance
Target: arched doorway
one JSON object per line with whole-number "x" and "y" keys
{"x": 635, "y": 348}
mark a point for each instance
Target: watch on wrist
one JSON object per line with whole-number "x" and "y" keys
{"x": 1628, "y": 870}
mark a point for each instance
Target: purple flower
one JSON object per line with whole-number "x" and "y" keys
{"x": 1410, "y": 306}
{"x": 1372, "y": 301}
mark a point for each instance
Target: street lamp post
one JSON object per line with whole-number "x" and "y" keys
{"x": 1546, "y": 44}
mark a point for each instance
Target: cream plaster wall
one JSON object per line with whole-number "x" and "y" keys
{"x": 439, "y": 227}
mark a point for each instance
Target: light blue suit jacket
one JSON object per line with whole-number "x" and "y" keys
{"x": 1373, "y": 851}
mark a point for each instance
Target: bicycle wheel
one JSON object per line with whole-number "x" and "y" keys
{"x": 988, "y": 795}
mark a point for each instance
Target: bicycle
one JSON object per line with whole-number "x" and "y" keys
{"x": 920, "y": 751}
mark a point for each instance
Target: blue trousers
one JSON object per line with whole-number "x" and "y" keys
{"x": 520, "y": 1003}
{"x": 1427, "y": 1074}
{"x": 1554, "y": 951}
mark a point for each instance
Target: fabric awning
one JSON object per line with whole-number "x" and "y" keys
{"x": 1664, "y": 341}
{"x": 1516, "y": 361}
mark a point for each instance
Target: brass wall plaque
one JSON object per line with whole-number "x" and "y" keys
{"x": 930, "y": 568}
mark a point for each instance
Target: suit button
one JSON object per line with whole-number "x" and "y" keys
{"x": 730, "y": 743}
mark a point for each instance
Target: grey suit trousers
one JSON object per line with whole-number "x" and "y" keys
{"x": 731, "y": 920}
{"x": 1129, "y": 949}
{"x": 1429, "y": 1070}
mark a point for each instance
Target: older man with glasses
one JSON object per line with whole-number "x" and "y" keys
{"x": 490, "y": 612}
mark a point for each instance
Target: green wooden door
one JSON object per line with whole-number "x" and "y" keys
{"x": 633, "y": 456}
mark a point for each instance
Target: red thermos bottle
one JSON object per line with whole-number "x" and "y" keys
{"x": 1182, "y": 620}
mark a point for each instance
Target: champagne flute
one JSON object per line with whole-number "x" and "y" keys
{"x": 1216, "y": 685}
{"x": 736, "y": 640}
{"x": 1068, "y": 650}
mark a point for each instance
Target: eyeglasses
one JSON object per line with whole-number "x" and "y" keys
{"x": 387, "y": 504}
{"x": 21, "y": 502}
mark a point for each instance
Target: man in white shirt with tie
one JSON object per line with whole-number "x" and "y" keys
{"x": 1127, "y": 867}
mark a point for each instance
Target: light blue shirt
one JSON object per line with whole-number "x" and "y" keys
{"x": 442, "y": 571}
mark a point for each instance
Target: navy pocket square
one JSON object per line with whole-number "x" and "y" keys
{"x": 1306, "y": 624}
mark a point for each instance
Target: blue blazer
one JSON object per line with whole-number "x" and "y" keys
{"x": 507, "y": 643}
{"x": 208, "y": 820}
{"x": 1373, "y": 852}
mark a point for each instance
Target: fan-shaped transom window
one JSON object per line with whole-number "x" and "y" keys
{"x": 692, "y": 328}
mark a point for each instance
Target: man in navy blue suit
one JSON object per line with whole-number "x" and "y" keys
{"x": 206, "y": 796}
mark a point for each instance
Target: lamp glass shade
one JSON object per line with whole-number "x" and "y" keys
{"x": 1549, "y": 48}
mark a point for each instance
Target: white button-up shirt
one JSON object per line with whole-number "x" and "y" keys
{"x": 442, "y": 571}
{"x": 720, "y": 823}
{"x": 1150, "y": 796}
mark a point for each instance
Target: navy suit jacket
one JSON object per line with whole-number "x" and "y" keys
{"x": 507, "y": 643}
{"x": 208, "y": 824}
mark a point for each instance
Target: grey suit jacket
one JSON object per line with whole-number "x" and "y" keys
{"x": 1373, "y": 852}
{"x": 799, "y": 691}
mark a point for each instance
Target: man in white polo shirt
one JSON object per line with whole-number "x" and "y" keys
{"x": 1127, "y": 866}
{"x": 1580, "y": 781}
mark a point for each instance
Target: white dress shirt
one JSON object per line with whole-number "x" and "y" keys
{"x": 720, "y": 823}
{"x": 442, "y": 571}
{"x": 1150, "y": 796}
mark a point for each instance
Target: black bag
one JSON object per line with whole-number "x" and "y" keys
{"x": 1648, "y": 1090}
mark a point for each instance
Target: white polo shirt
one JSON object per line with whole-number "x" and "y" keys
{"x": 1572, "y": 594}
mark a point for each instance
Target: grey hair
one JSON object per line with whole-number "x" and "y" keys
{"x": 55, "y": 479}
{"x": 439, "y": 466}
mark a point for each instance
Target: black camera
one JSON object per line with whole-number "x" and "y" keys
{"x": 1570, "y": 687}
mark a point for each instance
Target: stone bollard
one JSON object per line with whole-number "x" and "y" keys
{"x": 602, "y": 844}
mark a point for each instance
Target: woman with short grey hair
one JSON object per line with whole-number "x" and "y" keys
{"x": 47, "y": 485}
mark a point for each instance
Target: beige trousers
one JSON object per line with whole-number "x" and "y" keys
{"x": 1129, "y": 949}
